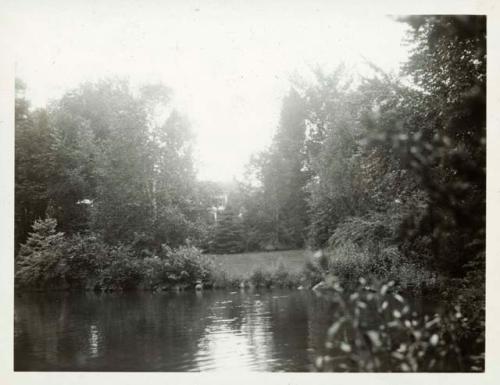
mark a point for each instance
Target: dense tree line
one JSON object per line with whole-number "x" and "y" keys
{"x": 106, "y": 191}
{"x": 392, "y": 165}
{"x": 106, "y": 160}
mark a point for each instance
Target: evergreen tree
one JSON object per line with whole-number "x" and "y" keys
{"x": 228, "y": 237}
{"x": 38, "y": 263}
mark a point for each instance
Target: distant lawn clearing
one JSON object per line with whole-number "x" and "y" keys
{"x": 242, "y": 265}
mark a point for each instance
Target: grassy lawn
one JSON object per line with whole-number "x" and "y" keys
{"x": 242, "y": 265}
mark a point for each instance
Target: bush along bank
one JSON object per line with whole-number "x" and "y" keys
{"x": 349, "y": 263}
{"x": 49, "y": 260}
{"x": 369, "y": 247}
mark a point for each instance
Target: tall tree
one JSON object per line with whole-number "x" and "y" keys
{"x": 282, "y": 175}
{"x": 33, "y": 164}
{"x": 333, "y": 154}
{"x": 448, "y": 147}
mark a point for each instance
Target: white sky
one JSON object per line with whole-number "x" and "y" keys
{"x": 228, "y": 63}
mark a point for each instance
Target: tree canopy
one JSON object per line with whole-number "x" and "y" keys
{"x": 400, "y": 156}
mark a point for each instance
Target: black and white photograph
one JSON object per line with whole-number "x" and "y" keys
{"x": 239, "y": 187}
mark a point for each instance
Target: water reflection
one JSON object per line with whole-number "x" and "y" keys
{"x": 236, "y": 338}
{"x": 242, "y": 331}
{"x": 94, "y": 341}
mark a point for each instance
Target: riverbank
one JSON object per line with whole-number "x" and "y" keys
{"x": 353, "y": 279}
{"x": 51, "y": 261}
{"x": 306, "y": 269}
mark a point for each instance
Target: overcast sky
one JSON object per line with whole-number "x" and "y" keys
{"x": 228, "y": 63}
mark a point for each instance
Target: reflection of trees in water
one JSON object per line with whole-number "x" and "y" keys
{"x": 108, "y": 331}
{"x": 39, "y": 322}
{"x": 319, "y": 320}
{"x": 161, "y": 329}
{"x": 167, "y": 331}
{"x": 289, "y": 324}
{"x": 299, "y": 323}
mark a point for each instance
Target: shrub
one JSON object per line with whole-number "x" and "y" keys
{"x": 261, "y": 278}
{"x": 283, "y": 278}
{"x": 153, "y": 275}
{"x": 183, "y": 267}
{"x": 85, "y": 257}
{"x": 351, "y": 262}
{"x": 220, "y": 279}
{"x": 410, "y": 275}
{"x": 345, "y": 261}
{"x": 121, "y": 271}
{"x": 470, "y": 292}
{"x": 187, "y": 265}
{"x": 373, "y": 229}
{"x": 277, "y": 276}
{"x": 49, "y": 260}
{"x": 377, "y": 330}
{"x": 367, "y": 247}
{"x": 315, "y": 269}
{"x": 39, "y": 263}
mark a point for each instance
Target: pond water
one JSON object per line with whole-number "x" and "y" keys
{"x": 187, "y": 331}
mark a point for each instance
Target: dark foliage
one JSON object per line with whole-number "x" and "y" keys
{"x": 379, "y": 330}
{"x": 228, "y": 233}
